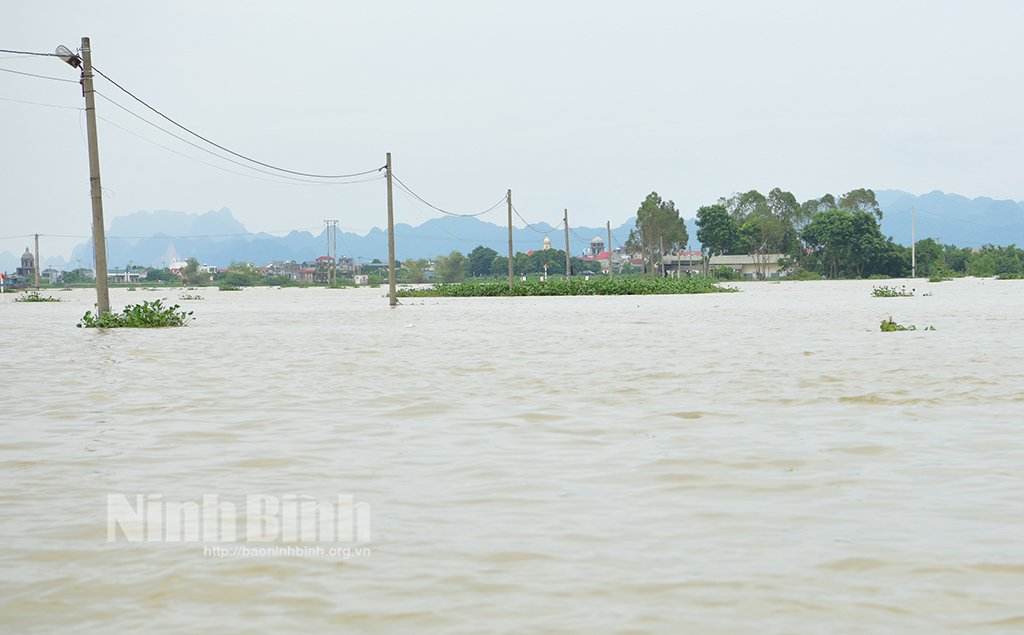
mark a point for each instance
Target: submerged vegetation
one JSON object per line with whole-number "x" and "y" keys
{"x": 888, "y": 326}
{"x": 886, "y": 291}
{"x": 575, "y": 286}
{"x": 34, "y": 296}
{"x": 146, "y": 315}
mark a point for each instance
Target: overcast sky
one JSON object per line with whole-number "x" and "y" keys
{"x": 588, "y": 106}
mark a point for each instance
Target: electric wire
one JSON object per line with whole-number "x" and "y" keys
{"x": 291, "y": 181}
{"x": 56, "y": 79}
{"x": 416, "y": 207}
{"x": 960, "y": 220}
{"x": 232, "y": 152}
{"x": 29, "y": 53}
{"x": 539, "y": 231}
{"x": 211, "y": 152}
{"x": 428, "y": 204}
{"x": 36, "y": 103}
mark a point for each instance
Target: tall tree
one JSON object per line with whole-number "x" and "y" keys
{"x": 658, "y": 226}
{"x": 480, "y": 260}
{"x": 717, "y": 232}
{"x": 451, "y": 267}
{"x": 861, "y": 200}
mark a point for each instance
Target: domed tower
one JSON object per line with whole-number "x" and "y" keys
{"x": 547, "y": 242}
{"x": 28, "y": 264}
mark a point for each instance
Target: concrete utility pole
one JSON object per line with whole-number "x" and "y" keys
{"x": 568, "y": 264}
{"x": 509, "y": 197}
{"x": 327, "y": 229}
{"x": 661, "y": 257}
{"x": 611, "y": 271}
{"x": 334, "y": 265}
{"x": 37, "y": 261}
{"x": 391, "y": 239}
{"x": 913, "y": 246}
{"x": 99, "y": 241}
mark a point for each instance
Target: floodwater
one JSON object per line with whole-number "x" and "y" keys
{"x": 758, "y": 462}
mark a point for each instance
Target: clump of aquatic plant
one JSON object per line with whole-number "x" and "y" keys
{"x": 574, "y": 286}
{"x": 146, "y": 315}
{"x": 1010, "y": 276}
{"x": 886, "y": 291}
{"x": 131, "y": 288}
{"x": 889, "y": 326}
{"x": 228, "y": 287}
{"x": 33, "y": 296}
{"x": 189, "y": 296}
{"x": 938, "y": 279}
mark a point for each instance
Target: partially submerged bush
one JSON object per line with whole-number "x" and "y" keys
{"x": 33, "y": 296}
{"x": 885, "y": 291}
{"x": 888, "y": 326}
{"x": 575, "y": 286}
{"x": 146, "y": 315}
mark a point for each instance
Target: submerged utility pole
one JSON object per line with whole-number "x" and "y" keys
{"x": 509, "y": 197}
{"x": 661, "y": 257}
{"x": 568, "y": 265}
{"x": 391, "y": 239}
{"x": 913, "y": 246}
{"x": 611, "y": 271}
{"x": 37, "y": 261}
{"x": 99, "y": 241}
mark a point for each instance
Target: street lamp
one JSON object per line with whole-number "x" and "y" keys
{"x": 99, "y": 243}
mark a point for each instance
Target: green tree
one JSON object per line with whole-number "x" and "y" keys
{"x": 658, "y": 226}
{"x": 717, "y": 232}
{"x": 499, "y": 266}
{"x": 243, "y": 274}
{"x": 451, "y": 268}
{"x": 416, "y": 270}
{"x": 845, "y": 242}
{"x": 480, "y": 260}
{"x": 191, "y": 274}
{"x": 861, "y": 200}
{"x": 765, "y": 236}
{"x": 930, "y": 258}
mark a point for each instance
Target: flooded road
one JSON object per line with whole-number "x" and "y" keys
{"x": 765, "y": 461}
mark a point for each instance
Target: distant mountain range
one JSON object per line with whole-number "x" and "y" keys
{"x": 217, "y": 237}
{"x": 951, "y": 219}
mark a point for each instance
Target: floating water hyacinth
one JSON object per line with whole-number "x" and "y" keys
{"x": 889, "y": 325}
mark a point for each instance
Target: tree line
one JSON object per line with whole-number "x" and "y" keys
{"x": 826, "y": 237}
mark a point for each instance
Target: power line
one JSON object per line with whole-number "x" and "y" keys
{"x": 36, "y": 103}
{"x": 56, "y": 79}
{"x": 539, "y": 231}
{"x": 291, "y": 181}
{"x": 960, "y": 220}
{"x": 421, "y": 199}
{"x": 241, "y": 156}
{"x": 413, "y": 203}
{"x": 29, "y": 53}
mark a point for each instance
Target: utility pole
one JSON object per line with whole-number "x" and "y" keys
{"x": 568, "y": 264}
{"x": 611, "y": 271}
{"x": 509, "y": 197}
{"x": 99, "y": 241}
{"x": 913, "y": 246}
{"x": 391, "y": 239}
{"x": 327, "y": 230}
{"x": 661, "y": 257}
{"x": 37, "y": 262}
{"x": 334, "y": 265}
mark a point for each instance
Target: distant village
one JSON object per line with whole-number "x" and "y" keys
{"x": 320, "y": 270}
